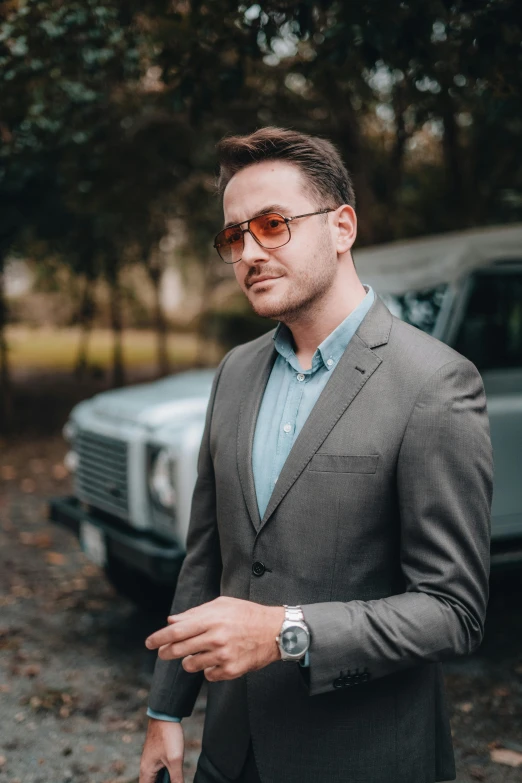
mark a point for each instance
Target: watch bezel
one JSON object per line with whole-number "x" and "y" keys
{"x": 287, "y": 624}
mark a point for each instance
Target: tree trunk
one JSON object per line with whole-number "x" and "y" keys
{"x": 345, "y": 132}
{"x": 118, "y": 372}
{"x": 453, "y": 167}
{"x": 6, "y": 399}
{"x": 396, "y": 168}
{"x": 86, "y": 314}
{"x": 160, "y": 323}
{"x": 201, "y": 359}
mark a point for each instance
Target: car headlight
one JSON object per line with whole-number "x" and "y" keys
{"x": 161, "y": 479}
{"x": 71, "y": 461}
{"x": 69, "y": 431}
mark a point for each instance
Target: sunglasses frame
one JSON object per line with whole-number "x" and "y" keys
{"x": 287, "y": 220}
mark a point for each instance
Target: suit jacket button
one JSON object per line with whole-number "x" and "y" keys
{"x": 258, "y": 569}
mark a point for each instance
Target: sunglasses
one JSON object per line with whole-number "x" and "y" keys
{"x": 270, "y": 230}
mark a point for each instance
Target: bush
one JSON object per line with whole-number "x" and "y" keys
{"x": 232, "y": 327}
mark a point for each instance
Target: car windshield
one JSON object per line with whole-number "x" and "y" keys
{"x": 418, "y": 308}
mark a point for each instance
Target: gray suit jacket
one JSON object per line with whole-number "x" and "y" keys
{"x": 379, "y": 526}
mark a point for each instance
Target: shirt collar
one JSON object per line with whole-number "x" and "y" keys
{"x": 332, "y": 348}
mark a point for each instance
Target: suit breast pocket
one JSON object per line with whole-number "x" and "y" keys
{"x": 343, "y": 463}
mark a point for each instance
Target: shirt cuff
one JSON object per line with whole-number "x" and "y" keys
{"x": 306, "y": 660}
{"x": 162, "y": 716}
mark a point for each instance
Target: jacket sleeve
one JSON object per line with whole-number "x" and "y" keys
{"x": 444, "y": 489}
{"x": 173, "y": 690}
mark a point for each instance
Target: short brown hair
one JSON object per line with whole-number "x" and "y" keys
{"x": 319, "y": 160}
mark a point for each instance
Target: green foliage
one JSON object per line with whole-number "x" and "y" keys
{"x": 111, "y": 110}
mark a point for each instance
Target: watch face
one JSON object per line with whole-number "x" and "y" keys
{"x": 294, "y": 640}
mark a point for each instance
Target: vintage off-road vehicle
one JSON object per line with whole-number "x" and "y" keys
{"x": 134, "y": 451}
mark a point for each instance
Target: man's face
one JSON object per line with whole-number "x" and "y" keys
{"x": 305, "y": 268}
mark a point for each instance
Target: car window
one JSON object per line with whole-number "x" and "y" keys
{"x": 418, "y": 308}
{"x": 491, "y": 330}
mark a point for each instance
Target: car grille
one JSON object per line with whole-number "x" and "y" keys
{"x": 102, "y": 472}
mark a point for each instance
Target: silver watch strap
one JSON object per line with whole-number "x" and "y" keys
{"x": 294, "y": 613}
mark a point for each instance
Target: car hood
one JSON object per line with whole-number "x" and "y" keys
{"x": 183, "y": 395}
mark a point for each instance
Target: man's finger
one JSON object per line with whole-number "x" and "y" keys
{"x": 199, "y": 661}
{"x": 177, "y": 632}
{"x": 192, "y": 646}
{"x": 176, "y": 773}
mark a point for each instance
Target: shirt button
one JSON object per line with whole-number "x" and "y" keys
{"x": 300, "y": 376}
{"x": 329, "y": 362}
{"x": 287, "y": 427}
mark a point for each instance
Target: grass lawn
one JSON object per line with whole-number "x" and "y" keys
{"x": 49, "y": 348}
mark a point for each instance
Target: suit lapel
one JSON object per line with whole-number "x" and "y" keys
{"x": 257, "y": 375}
{"x": 356, "y": 366}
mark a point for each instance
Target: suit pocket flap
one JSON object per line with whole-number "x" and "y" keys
{"x": 344, "y": 463}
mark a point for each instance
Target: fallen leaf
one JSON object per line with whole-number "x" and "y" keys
{"x": 504, "y": 756}
{"x": 89, "y": 748}
{"x": 55, "y": 558}
{"x": 501, "y": 691}
{"x": 466, "y": 706}
{"x": 7, "y": 472}
{"x": 2, "y": 761}
{"x": 95, "y": 605}
{"x": 37, "y": 465}
{"x": 59, "y": 471}
{"x": 32, "y": 670}
{"x": 477, "y": 773}
{"x": 28, "y": 485}
{"x": 21, "y": 591}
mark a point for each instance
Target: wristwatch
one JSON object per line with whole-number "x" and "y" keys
{"x": 294, "y": 637}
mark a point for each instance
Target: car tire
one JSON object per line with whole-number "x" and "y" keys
{"x": 139, "y": 588}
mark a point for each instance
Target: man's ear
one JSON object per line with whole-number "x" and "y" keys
{"x": 345, "y": 222}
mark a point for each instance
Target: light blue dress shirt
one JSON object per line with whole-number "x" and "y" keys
{"x": 290, "y": 395}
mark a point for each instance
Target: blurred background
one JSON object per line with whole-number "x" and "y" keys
{"x": 109, "y": 116}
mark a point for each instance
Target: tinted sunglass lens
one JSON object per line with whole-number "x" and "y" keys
{"x": 271, "y": 230}
{"x": 229, "y": 244}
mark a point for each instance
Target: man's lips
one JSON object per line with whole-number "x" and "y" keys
{"x": 262, "y": 279}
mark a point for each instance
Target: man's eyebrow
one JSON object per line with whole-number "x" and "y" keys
{"x": 270, "y": 208}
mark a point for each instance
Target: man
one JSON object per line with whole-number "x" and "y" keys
{"x": 345, "y": 471}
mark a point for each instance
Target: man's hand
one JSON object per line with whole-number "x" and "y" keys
{"x": 225, "y": 638}
{"x": 164, "y": 747}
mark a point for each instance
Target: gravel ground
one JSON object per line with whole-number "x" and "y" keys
{"x": 75, "y": 674}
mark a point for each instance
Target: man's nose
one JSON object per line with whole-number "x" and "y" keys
{"x": 252, "y": 251}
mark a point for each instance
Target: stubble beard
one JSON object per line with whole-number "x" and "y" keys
{"x": 314, "y": 285}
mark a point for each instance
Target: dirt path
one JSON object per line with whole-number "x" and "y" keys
{"x": 75, "y": 675}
